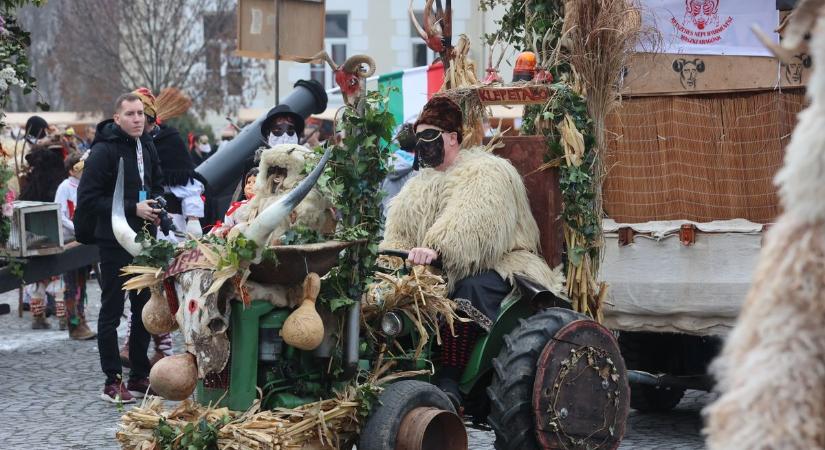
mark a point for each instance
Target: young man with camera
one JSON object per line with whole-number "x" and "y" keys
{"x": 119, "y": 138}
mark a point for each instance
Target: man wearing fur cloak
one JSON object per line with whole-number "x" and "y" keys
{"x": 281, "y": 169}
{"x": 468, "y": 208}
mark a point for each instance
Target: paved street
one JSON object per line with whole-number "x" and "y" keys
{"x": 49, "y": 387}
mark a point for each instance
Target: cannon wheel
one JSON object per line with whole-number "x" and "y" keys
{"x": 412, "y": 410}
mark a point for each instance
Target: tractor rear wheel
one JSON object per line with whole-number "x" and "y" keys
{"x": 559, "y": 382}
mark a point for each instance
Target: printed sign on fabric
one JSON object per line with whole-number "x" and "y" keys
{"x": 712, "y": 27}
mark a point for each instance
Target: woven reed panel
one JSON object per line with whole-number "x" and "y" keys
{"x": 700, "y": 158}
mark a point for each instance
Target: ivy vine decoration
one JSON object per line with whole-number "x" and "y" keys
{"x": 571, "y": 144}
{"x": 352, "y": 181}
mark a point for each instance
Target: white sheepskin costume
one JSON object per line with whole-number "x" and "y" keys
{"x": 475, "y": 215}
{"x": 314, "y": 212}
{"x": 771, "y": 373}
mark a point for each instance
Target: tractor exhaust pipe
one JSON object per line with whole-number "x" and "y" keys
{"x": 353, "y": 331}
{"x": 429, "y": 428}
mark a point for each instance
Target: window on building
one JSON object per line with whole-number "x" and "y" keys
{"x": 421, "y": 54}
{"x": 336, "y": 34}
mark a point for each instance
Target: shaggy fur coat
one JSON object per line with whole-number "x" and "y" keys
{"x": 314, "y": 212}
{"x": 771, "y": 373}
{"x": 475, "y": 215}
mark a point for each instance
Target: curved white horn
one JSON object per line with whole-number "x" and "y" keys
{"x": 124, "y": 234}
{"x": 269, "y": 218}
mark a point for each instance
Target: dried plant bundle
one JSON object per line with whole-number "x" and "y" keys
{"x": 172, "y": 102}
{"x": 420, "y": 295}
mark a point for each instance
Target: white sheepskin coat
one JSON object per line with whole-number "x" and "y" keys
{"x": 475, "y": 215}
{"x": 771, "y": 373}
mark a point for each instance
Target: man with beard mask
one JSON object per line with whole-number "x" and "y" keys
{"x": 282, "y": 126}
{"x": 468, "y": 208}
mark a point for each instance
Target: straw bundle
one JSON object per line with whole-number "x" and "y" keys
{"x": 171, "y": 102}
{"x": 322, "y": 424}
{"x": 462, "y": 70}
{"x": 600, "y": 36}
{"x": 420, "y": 295}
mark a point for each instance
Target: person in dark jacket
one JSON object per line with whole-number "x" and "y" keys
{"x": 121, "y": 137}
{"x": 182, "y": 190}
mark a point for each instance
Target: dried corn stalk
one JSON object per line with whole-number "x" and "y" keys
{"x": 324, "y": 423}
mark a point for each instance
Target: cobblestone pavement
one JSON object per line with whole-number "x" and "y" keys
{"x": 50, "y": 385}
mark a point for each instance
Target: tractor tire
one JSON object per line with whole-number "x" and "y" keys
{"x": 649, "y": 399}
{"x": 511, "y": 390}
{"x": 398, "y": 399}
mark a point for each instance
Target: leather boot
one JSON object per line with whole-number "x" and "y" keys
{"x": 82, "y": 332}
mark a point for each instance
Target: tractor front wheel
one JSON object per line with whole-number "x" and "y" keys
{"x": 417, "y": 413}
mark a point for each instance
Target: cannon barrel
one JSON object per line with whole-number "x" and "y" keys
{"x": 226, "y": 166}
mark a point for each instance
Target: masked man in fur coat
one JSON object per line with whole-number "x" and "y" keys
{"x": 468, "y": 208}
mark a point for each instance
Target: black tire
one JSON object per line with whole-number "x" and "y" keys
{"x": 648, "y": 399}
{"x": 398, "y": 399}
{"x": 511, "y": 390}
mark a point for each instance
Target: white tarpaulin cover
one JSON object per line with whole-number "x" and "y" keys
{"x": 712, "y": 27}
{"x": 659, "y": 284}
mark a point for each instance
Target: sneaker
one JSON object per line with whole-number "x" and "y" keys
{"x": 82, "y": 333}
{"x": 40, "y": 323}
{"x": 139, "y": 388}
{"x": 116, "y": 393}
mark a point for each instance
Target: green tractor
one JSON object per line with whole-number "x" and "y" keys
{"x": 543, "y": 377}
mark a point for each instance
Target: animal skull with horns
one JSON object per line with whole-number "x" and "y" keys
{"x": 203, "y": 311}
{"x": 348, "y": 75}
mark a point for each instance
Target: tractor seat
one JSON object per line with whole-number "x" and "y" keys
{"x": 539, "y": 295}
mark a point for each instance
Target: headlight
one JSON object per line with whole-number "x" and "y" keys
{"x": 391, "y": 324}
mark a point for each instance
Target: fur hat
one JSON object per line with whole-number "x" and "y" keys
{"x": 148, "y": 100}
{"x": 443, "y": 113}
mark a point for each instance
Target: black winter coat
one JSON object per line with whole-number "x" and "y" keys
{"x": 175, "y": 160}
{"x": 97, "y": 184}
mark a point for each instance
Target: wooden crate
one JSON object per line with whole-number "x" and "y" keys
{"x": 35, "y": 229}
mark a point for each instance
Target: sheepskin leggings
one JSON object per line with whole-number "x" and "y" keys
{"x": 38, "y": 292}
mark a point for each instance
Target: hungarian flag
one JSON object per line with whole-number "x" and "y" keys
{"x": 410, "y": 89}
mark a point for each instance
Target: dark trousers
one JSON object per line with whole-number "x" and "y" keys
{"x": 112, "y": 259}
{"x": 485, "y": 291}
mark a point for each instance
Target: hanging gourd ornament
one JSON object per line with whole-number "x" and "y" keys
{"x": 304, "y": 328}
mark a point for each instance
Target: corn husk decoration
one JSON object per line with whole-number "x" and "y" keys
{"x": 326, "y": 424}
{"x": 420, "y": 295}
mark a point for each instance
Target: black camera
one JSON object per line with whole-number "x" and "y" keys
{"x": 166, "y": 224}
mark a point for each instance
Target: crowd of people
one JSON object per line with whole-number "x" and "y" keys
{"x": 159, "y": 166}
